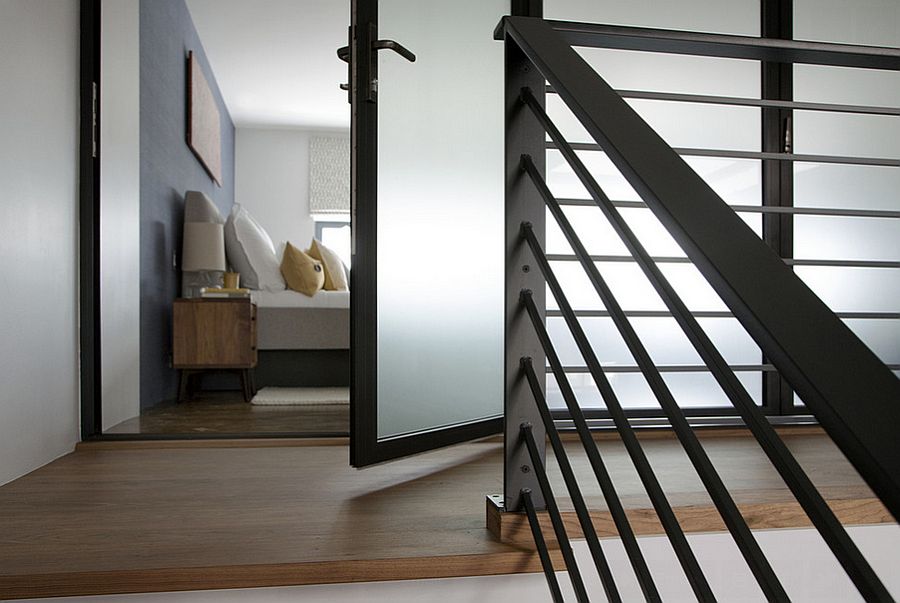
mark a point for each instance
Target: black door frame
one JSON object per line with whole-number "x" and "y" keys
{"x": 90, "y": 351}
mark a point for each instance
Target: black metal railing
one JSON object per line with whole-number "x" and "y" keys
{"x": 850, "y": 391}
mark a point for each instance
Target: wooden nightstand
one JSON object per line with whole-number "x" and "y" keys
{"x": 214, "y": 334}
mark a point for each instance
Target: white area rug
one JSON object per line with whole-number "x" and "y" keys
{"x": 302, "y": 396}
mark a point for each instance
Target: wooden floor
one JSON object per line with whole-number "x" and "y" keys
{"x": 154, "y": 517}
{"x": 227, "y": 413}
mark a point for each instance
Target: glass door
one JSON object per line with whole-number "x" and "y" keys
{"x": 426, "y": 89}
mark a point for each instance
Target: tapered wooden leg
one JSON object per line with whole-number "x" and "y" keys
{"x": 182, "y": 385}
{"x": 252, "y": 378}
{"x": 245, "y": 385}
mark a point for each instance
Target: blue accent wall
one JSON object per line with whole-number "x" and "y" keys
{"x": 168, "y": 169}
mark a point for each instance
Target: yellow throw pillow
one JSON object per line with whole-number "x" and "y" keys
{"x": 335, "y": 278}
{"x": 301, "y": 272}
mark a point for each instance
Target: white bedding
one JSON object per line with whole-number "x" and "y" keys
{"x": 293, "y": 299}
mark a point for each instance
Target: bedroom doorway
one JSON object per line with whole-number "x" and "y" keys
{"x": 221, "y": 148}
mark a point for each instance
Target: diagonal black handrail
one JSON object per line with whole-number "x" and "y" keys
{"x": 719, "y": 494}
{"x": 852, "y": 394}
{"x": 664, "y": 512}
{"x": 581, "y": 510}
{"x": 541, "y": 544}
{"x": 820, "y": 514}
{"x": 559, "y": 528}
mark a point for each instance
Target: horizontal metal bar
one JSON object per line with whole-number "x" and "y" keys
{"x": 716, "y": 314}
{"x": 563, "y": 423}
{"x": 672, "y": 368}
{"x": 555, "y": 517}
{"x": 759, "y": 209}
{"x": 726, "y": 46}
{"x": 541, "y": 545}
{"x": 567, "y": 257}
{"x": 751, "y": 102}
{"x": 688, "y": 368}
{"x": 730, "y": 154}
{"x": 844, "y": 263}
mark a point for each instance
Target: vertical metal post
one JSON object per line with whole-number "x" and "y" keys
{"x": 777, "y": 176}
{"x": 524, "y": 135}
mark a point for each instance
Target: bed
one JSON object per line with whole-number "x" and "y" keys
{"x": 302, "y": 341}
{"x": 288, "y": 320}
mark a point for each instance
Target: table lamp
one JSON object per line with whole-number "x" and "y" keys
{"x": 202, "y": 257}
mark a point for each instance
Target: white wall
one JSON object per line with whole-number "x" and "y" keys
{"x": 120, "y": 210}
{"x": 38, "y": 232}
{"x": 272, "y": 181}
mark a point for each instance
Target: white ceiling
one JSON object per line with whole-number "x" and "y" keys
{"x": 275, "y": 60}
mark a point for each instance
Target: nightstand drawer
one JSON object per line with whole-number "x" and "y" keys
{"x": 214, "y": 333}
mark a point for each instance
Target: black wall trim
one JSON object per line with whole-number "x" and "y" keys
{"x": 89, "y": 219}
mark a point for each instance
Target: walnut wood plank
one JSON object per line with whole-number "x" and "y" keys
{"x": 513, "y": 528}
{"x": 285, "y": 574}
{"x": 149, "y": 518}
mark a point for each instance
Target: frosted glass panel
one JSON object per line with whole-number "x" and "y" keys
{"x": 848, "y": 186}
{"x": 869, "y": 22}
{"x": 834, "y": 238}
{"x": 720, "y": 16}
{"x": 663, "y": 338}
{"x": 631, "y": 288}
{"x": 691, "y": 390}
{"x": 851, "y": 135}
{"x": 680, "y": 124}
{"x": 440, "y": 216}
{"x": 851, "y": 289}
{"x": 636, "y": 70}
{"x": 846, "y": 85}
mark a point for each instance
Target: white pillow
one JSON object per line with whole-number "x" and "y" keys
{"x": 251, "y": 252}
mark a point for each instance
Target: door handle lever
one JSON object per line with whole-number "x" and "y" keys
{"x": 396, "y": 47}
{"x": 370, "y": 65}
{"x": 344, "y": 51}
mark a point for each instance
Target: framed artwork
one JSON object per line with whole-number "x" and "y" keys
{"x": 204, "y": 131}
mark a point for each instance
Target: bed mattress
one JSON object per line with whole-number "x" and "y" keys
{"x": 287, "y": 320}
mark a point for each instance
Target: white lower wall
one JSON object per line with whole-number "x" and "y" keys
{"x": 803, "y": 563}
{"x": 120, "y": 227}
{"x": 38, "y": 232}
{"x": 272, "y": 181}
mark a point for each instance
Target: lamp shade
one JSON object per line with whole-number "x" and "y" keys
{"x": 204, "y": 247}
